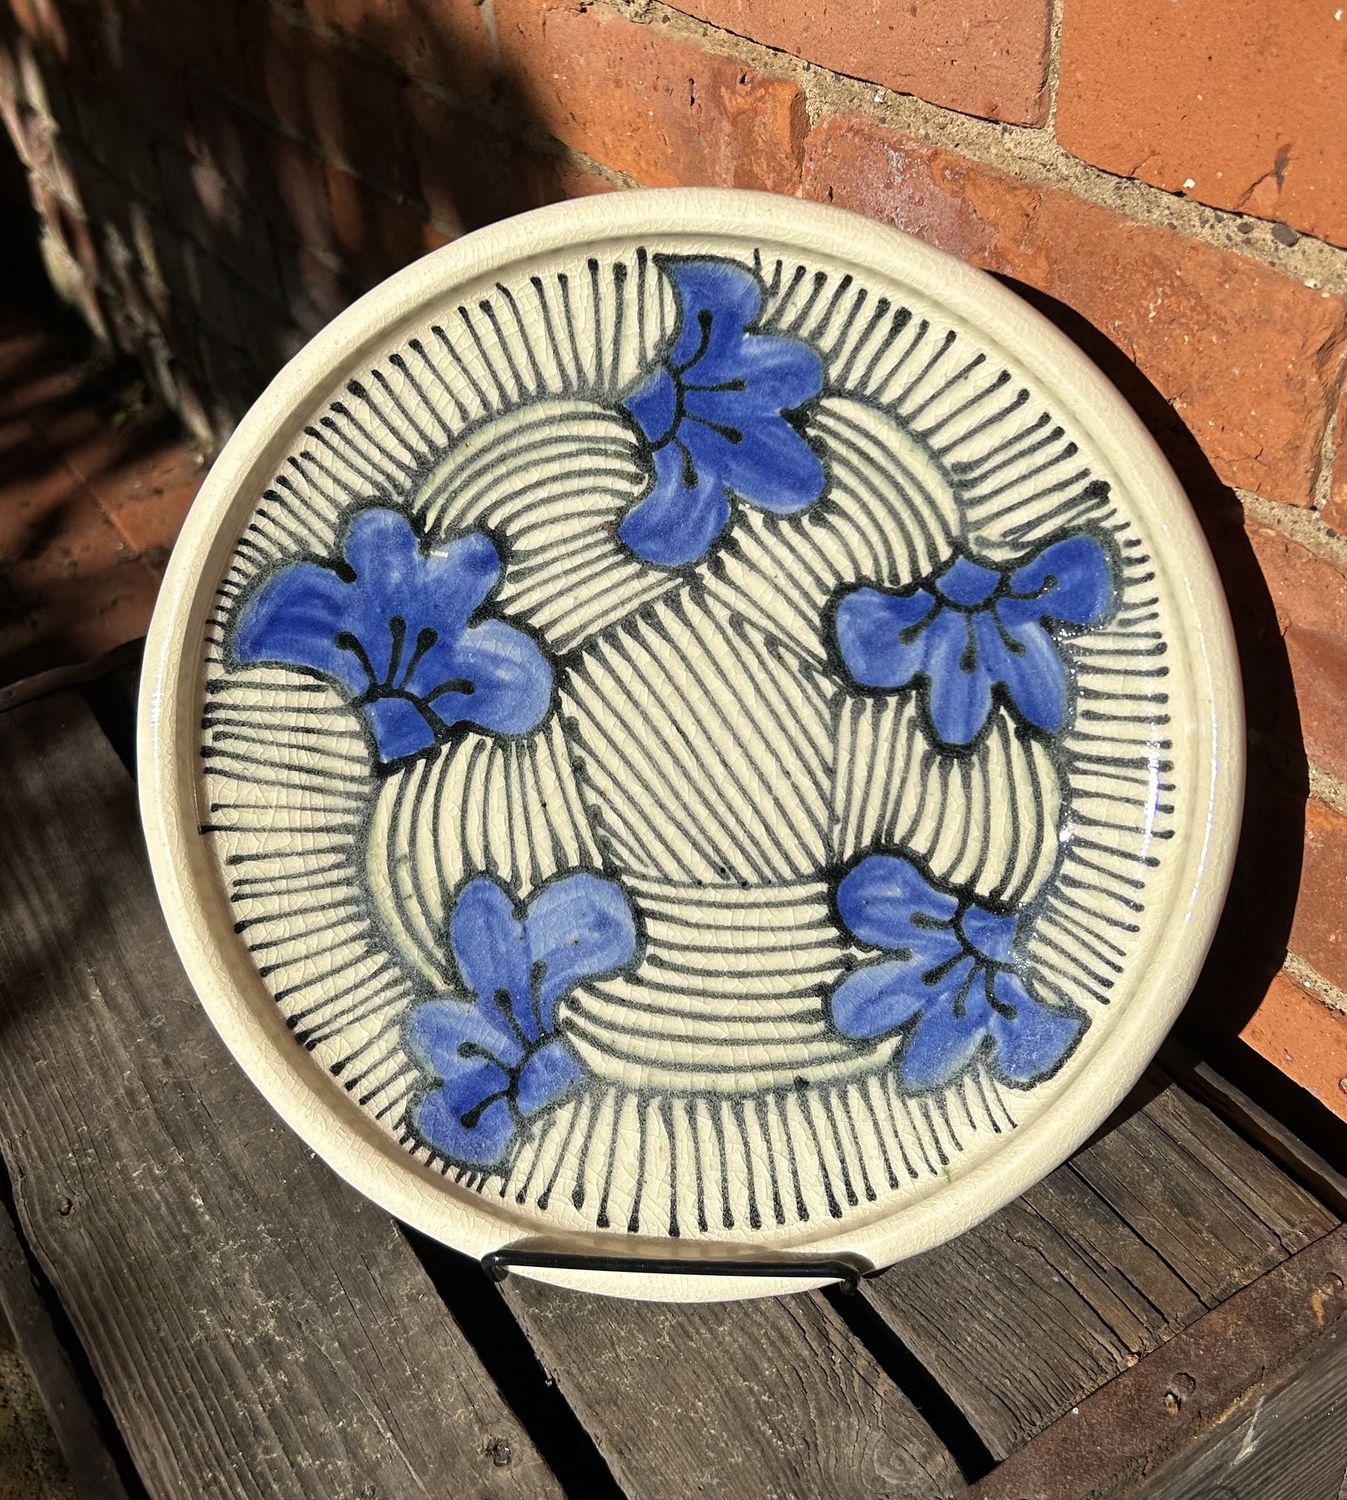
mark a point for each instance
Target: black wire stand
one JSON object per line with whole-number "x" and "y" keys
{"x": 845, "y": 1270}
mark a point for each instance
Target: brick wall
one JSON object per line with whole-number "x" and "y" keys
{"x": 217, "y": 178}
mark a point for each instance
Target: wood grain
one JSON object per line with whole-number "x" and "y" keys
{"x": 1285, "y": 1441}
{"x": 258, "y": 1329}
{"x": 1157, "y": 1220}
{"x": 1245, "y": 1405}
{"x": 1322, "y": 1171}
{"x": 764, "y": 1400}
{"x": 80, "y": 1434}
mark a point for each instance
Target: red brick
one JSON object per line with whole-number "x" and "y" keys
{"x": 1319, "y": 668}
{"x": 72, "y": 587}
{"x": 201, "y": 202}
{"x": 1310, "y": 599}
{"x": 280, "y": 177}
{"x": 447, "y": 42}
{"x": 317, "y": 288}
{"x": 148, "y": 498}
{"x": 650, "y": 103}
{"x": 375, "y": 235}
{"x": 1303, "y": 1038}
{"x": 45, "y": 383}
{"x": 1236, "y": 102}
{"x": 556, "y": 178}
{"x": 119, "y": 143}
{"x": 157, "y": 46}
{"x": 329, "y": 96}
{"x": 1335, "y": 508}
{"x": 1247, "y": 358}
{"x": 1289, "y": 891}
{"x": 88, "y": 438}
{"x": 233, "y": 381}
{"x": 265, "y": 329}
{"x": 141, "y": 72}
{"x": 470, "y": 175}
{"x": 208, "y": 288}
{"x": 40, "y": 20}
{"x": 1319, "y": 931}
{"x": 983, "y": 57}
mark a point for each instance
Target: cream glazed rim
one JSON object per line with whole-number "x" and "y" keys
{"x": 1208, "y": 731}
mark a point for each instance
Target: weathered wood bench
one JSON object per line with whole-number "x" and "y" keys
{"x": 210, "y": 1312}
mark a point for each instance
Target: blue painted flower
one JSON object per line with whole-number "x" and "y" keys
{"x": 713, "y": 413}
{"x": 950, "y": 984}
{"x": 976, "y": 633}
{"x": 498, "y": 1058}
{"x": 399, "y": 627}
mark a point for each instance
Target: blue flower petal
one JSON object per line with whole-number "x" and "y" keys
{"x": 959, "y": 691}
{"x": 879, "y": 635}
{"x": 949, "y": 987}
{"x": 472, "y": 1135}
{"x": 390, "y": 624}
{"x": 295, "y": 619}
{"x": 945, "y": 1041}
{"x": 548, "y": 1072}
{"x": 766, "y": 463}
{"x": 400, "y": 727}
{"x": 467, "y": 1114}
{"x": 1030, "y": 668}
{"x": 491, "y": 951}
{"x": 465, "y": 1038}
{"x": 685, "y": 511}
{"x": 989, "y": 933}
{"x": 886, "y": 902}
{"x": 772, "y": 373}
{"x": 503, "y": 682}
{"x": 654, "y": 405}
{"x": 1070, "y": 582}
{"x": 979, "y": 637}
{"x": 784, "y": 372}
{"x": 579, "y": 927}
{"x": 967, "y": 583}
{"x": 713, "y": 414}
{"x": 717, "y": 299}
{"x": 435, "y": 593}
{"x": 496, "y": 1060}
{"x": 876, "y": 1000}
{"x": 383, "y": 553}
{"x": 1036, "y": 1038}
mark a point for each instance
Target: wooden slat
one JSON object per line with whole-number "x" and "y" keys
{"x": 1323, "y": 1175}
{"x": 1265, "y": 1368}
{"x": 1215, "y": 1208}
{"x": 79, "y": 1433}
{"x": 121, "y": 659}
{"x": 1153, "y": 1223}
{"x": 764, "y": 1400}
{"x": 1284, "y": 1441}
{"x": 258, "y": 1329}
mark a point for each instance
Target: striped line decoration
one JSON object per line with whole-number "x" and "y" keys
{"x": 703, "y": 750}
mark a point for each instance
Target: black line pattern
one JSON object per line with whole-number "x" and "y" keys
{"x": 701, "y": 747}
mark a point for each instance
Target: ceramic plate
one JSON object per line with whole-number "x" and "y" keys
{"x": 691, "y": 724}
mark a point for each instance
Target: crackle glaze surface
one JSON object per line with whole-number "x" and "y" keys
{"x": 693, "y": 735}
